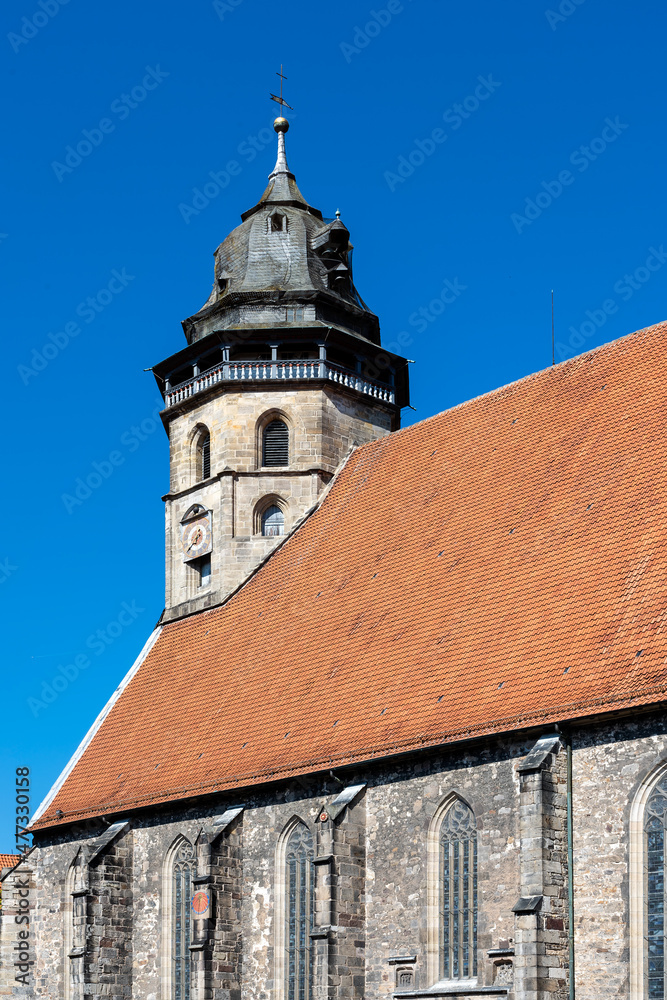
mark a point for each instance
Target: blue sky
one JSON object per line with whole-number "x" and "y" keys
{"x": 507, "y": 149}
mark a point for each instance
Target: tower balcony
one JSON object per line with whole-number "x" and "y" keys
{"x": 321, "y": 370}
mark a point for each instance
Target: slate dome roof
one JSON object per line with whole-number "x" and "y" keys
{"x": 284, "y": 250}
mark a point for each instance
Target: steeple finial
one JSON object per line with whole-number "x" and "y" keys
{"x": 281, "y": 125}
{"x": 279, "y": 100}
{"x": 282, "y": 187}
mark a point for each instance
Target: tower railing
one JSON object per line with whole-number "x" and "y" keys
{"x": 265, "y": 371}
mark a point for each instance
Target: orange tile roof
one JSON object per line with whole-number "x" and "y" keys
{"x": 500, "y": 565}
{"x": 9, "y": 860}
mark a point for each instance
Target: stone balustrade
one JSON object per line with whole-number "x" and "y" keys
{"x": 264, "y": 371}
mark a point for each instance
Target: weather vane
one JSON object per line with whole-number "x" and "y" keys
{"x": 279, "y": 100}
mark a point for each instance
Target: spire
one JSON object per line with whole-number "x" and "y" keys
{"x": 281, "y": 174}
{"x": 281, "y": 126}
{"x": 282, "y": 187}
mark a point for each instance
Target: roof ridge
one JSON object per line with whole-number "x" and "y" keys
{"x": 542, "y": 372}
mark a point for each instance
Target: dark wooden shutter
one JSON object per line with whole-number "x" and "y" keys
{"x": 206, "y": 457}
{"x": 275, "y": 445}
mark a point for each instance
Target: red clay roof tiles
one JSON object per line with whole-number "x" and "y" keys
{"x": 500, "y": 565}
{"x": 9, "y": 860}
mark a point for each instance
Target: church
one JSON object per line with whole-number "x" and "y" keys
{"x": 400, "y": 730}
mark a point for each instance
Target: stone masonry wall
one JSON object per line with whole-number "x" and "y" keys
{"x": 324, "y": 424}
{"x": 18, "y": 927}
{"x": 108, "y": 959}
{"x": 610, "y": 764}
{"x": 348, "y": 946}
{"x": 226, "y": 947}
{"x": 375, "y": 884}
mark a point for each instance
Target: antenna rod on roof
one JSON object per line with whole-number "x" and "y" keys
{"x": 553, "y": 350}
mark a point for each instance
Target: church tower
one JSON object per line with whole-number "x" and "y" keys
{"x": 282, "y": 375}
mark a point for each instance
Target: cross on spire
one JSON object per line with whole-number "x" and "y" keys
{"x": 279, "y": 100}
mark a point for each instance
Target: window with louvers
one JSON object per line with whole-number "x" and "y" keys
{"x": 275, "y": 444}
{"x": 204, "y": 457}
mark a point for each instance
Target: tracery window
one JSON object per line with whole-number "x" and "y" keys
{"x": 182, "y": 872}
{"x": 655, "y": 822}
{"x": 300, "y": 883}
{"x": 458, "y": 893}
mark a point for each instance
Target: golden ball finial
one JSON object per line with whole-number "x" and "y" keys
{"x": 281, "y": 125}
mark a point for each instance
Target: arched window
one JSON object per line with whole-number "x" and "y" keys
{"x": 183, "y": 866}
{"x": 458, "y": 893}
{"x": 68, "y": 929}
{"x": 655, "y": 822}
{"x": 275, "y": 444}
{"x": 203, "y": 456}
{"x": 300, "y": 893}
{"x": 74, "y": 930}
{"x": 273, "y": 521}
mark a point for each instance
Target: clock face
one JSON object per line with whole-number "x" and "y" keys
{"x": 196, "y": 538}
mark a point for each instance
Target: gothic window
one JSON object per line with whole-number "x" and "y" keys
{"x": 203, "y": 456}
{"x": 183, "y": 867}
{"x": 458, "y": 893}
{"x": 273, "y": 521}
{"x": 300, "y": 886}
{"x": 655, "y": 823}
{"x": 275, "y": 444}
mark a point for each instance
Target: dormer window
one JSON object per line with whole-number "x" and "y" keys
{"x": 278, "y": 223}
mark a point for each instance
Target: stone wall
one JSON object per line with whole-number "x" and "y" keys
{"x": 108, "y": 958}
{"x": 324, "y": 424}
{"x": 611, "y": 764}
{"x": 374, "y": 877}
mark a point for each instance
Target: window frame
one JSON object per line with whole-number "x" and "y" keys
{"x": 169, "y": 915}
{"x": 263, "y": 421}
{"x": 434, "y": 873}
{"x": 268, "y": 512}
{"x": 275, "y": 465}
{"x": 637, "y": 879}
{"x": 281, "y": 923}
{"x": 201, "y": 436}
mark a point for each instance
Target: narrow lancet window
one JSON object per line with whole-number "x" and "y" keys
{"x": 655, "y": 820}
{"x": 300, "y": 899}
{"x": 183, "y": 869}
{"x": 204, "y": 457}
{"x": 275, "y": 444}
{"x": 458, "y": 886}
